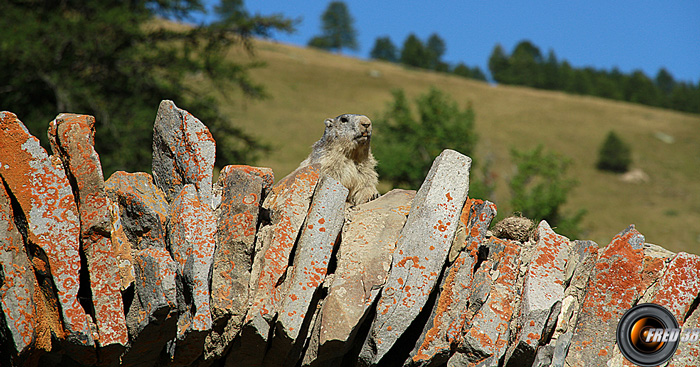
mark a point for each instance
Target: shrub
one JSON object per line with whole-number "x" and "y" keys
{"x": 614, "y": 155}
{"x": 406, "y": 145}
{"x": 539, "y": 189}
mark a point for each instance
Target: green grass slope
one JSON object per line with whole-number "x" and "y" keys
{"x": 308, "y": 85}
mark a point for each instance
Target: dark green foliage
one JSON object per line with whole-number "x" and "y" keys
{"x": 414, "y": 53}
{"x": 614, "y": 155}
{"x": 526, "y": 66}
{"x": 384, "y": 49}
{"x": 539, "y": 189}
{"x": 406, "y": 144}
{"x": 110, "y": 59}
{"x": 435, "y": 48}
{"x": 473, "y": 73}
{"x": 338, "y": 30}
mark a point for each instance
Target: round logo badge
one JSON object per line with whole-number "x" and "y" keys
{"x": 647, "y": 334}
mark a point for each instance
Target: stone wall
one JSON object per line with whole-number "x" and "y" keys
{"x": 175, "y": 269}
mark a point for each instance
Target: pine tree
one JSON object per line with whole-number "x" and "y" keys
{"x": 337, "y": 28}
{"x": 114, "y": 60}
{"x": 384, "y": 49}
{"x": 614, "y": 154}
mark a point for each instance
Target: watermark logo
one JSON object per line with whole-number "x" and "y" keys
{"x": 648, "y": 335}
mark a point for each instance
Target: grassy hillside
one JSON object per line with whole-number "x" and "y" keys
{"x": 308, "y": 85}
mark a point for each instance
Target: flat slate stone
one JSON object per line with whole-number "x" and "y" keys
{"x": 191, "y": 233}
{"x": 421, "y": 252}
{"x": 44, "y": 195}
{"x": 287, "y": 204}
{"x": 18, "y": 285}
{"x": 143, "y": 209}
{"x": 239, "y": 198}
{"x": 312, "y": 256}
{"x": 443, "y": 331}
{"x": 621, "y": 276}
{"x": 72, "y": 140}
{"x": 543, "y": 288}
{"x": 364, "y": 259}
{"x": 183, "y": 152}
{"x": 485, "y": 339}
{"x": 152, "y": 317}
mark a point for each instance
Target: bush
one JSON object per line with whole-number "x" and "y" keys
{"x": 406, "y": 145}
{"x": 539, "y": 189}
{"x": 614, "y": 155}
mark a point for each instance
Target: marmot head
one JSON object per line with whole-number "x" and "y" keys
{"x": 349, "y": 129}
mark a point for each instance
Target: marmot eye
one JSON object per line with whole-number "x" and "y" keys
{"x": 343, "y": 119}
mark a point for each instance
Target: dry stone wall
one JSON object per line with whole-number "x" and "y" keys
{"x": 177, "y": 270}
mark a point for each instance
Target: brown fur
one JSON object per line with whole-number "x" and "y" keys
{"x": 344, "y": 153}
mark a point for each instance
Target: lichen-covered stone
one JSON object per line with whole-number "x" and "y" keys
{"x": 191, "y": 232}
{"x": 183, "y": 152}
{"x": 43, "y": 193}
{"x": 421, "y": 252}
{"x": 152, "y": 317}
{"x": 20, "y": 321}
{"x": 443, "y": 331}
{"x": 287, "y": 204}
{"x": 543, "y": 288}
{"x": 621, "y": 276}
{"x": 239, "y": 197}
{"x": 485, "y": 338}
{"x": 310, "y": 265}
{"x": 72, "y": 140}
{"x": 364, "y": 259}
{"x": 143, "y": 210}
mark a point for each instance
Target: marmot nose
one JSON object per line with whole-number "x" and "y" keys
{"x": 365, "y": 122}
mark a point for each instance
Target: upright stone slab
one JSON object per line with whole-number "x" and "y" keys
{"x": 619, "y": 281}
{"x": 20, "y": 322}
{"x": 364, "y": 260}
{"x": 420, "y": 253}
{"x": 143, "y": 210}
{"x": 151, "y": 318}
{"x": 72, "y": 139}
{"x": 287, "y": 205}
{"x": 191, "y": 233}
{"x": 239, "y": 197}
{"x": 311, "y": 259}
{"x": 44, "y": 195}
{"x": 443, "y": 331}
{"x": 485, "y": 338}
{"x": 183, "y": 152}
{"x": 543, "y": 289}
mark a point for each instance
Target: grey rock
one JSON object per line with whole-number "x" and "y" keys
{"x": 485, "y": 339}
{"x": 20, "y": 321}
{"x": 287, "y": 204}
{"x": 543, "y": 289}
{"x": 443, "y": 331}
{"x": 42, "y": 191}
{"x": 72, "y": 140}
{"x": 191, "y": 232}
{"x": 621, "y": 276}
{"x": 183, "y": 152}
{"x": 239, "y": 196}
{"x": 421, "y": 252}
{"x": 364, "y": 260}
{"x": 143, "y": 210}
{"x": 311, "y": 259}
{"x": 152, "y": 317}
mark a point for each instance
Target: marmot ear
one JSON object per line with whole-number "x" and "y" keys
{"x": 328, "y": 122}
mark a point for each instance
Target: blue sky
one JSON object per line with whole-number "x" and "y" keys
{"x": 627, "y": 34}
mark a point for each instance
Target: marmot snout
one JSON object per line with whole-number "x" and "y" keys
{"x": 344, "y": 153}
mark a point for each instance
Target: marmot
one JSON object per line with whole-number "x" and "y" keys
{"x": 344, "y": 153}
